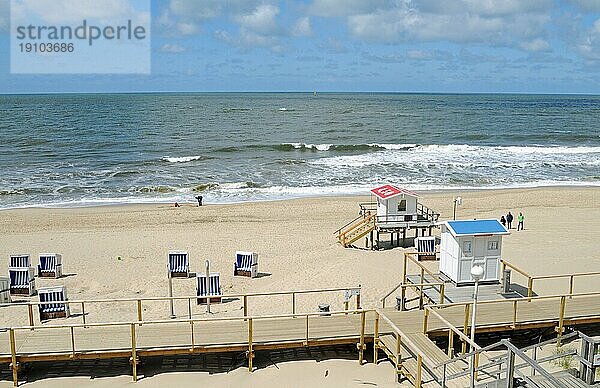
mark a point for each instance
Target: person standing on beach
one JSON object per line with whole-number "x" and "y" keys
{"x": 199, "y": 199}
{"x": 503, "y": 221}
{"x": 509, "y": 220}
{"x": 521, "y": 219}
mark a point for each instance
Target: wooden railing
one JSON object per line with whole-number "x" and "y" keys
{"x": 531, "y": 278}
{"x": 419, "y": 288}
{"x": 351, "y": 291}
{"x": 561, "y": 299}
{"x": 427, "y": 212}
{"x": 192, "y": 346}
{"x": 345, "y": 235}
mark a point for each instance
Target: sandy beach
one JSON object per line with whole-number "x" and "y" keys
{"x": 120, "y": 251}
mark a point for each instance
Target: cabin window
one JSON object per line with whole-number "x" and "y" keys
{"x": 402, "y": 205}
{"x": 467, "y": 247}
{"x": 492, "y": 245}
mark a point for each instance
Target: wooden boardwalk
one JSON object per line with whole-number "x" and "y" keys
{"x": 249, "y": 334}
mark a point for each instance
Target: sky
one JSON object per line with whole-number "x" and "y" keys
{"x": 445, "y": 46}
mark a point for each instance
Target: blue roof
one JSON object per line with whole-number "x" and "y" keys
{"x": 473, "y": 227}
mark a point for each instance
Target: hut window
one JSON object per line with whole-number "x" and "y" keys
{"x": 467, "y": 247}
{"x": 492, "y": 245}
{"x": 402, "y": 205}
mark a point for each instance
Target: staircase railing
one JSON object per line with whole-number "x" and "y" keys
{"x": 427, "y": 212}
{"x": 360, "y": 221}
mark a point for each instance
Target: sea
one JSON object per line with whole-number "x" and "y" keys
{"x": 69, "y": 150}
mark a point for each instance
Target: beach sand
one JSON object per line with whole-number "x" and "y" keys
{"x": 120, "y": 251}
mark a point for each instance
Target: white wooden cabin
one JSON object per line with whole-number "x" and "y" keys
{"x": 468, "y": 243}
{"x": 395, "y": 206}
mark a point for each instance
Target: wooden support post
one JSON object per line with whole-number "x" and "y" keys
{"x": 442, "y": 289}
{"x": 529, "y": 289}
{"x": 358, "y": 302}
{"x": 139, "y": 311}
{"x": 403, "y": 296}
{"x": 361, "y": 345}
{"x": 376, "y": 339}
{"x": 404, "y": 264}
{"x": 371, "y": 238}
{"x": 133, "y": 353}
{"x": 466, "y": 327}
{"x": 30, "y": 311}
{"x": 377, "y": 238}
{"x": 293, "y": 303}
{"x": 346, "y": 305}
{"x": 250, "y": 352}
{"x": 13, "y": 353}
{"x": 514, "y": 325}
{"x": 561, "y": 317}
{"x": 419, "y": 371}
{"x": 245, "y": 305}
{"x": 190, "y": 308}
{"x": 450, "y": 343}
{"x": 403, "y": 237}
{"x": 476, "y": 365}
{"x": 83, "y": 312}
{"x": 425, "y": 319}
{"x": 398, "y": 351}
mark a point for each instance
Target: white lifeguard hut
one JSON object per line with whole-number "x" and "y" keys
{"x": 395, "y": 205}
{"x": 394, "y": 212}
{"x": 468, "y": 243}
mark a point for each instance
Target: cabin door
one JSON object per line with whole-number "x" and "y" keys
{"x": 480, "y": 245}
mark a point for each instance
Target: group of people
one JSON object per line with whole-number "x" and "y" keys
{"x": 508, "y": 220}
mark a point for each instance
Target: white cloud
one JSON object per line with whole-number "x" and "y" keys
{"x": 535, "y": 45}
{"x": 589, "y": 48}
{"x": 588, "y": 5}
{"x": 172, "y": 48}
{"x": 261, "y": 20}
{"x": 69, "y": 11}
{"x": 4, "y": 15}
{"x": 337, "y": 8}
{"x": 476, "y": 21}
{"x": 302, "y": 27}
{"x": 335, "y": 46}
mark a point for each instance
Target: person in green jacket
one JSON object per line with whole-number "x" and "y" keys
{"x": 521, "y": 224}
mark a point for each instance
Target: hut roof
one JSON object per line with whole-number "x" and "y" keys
{"x": 389, "y": 191}
{"x": 475, "y": 227}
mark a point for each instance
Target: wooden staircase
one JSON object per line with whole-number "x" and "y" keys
{"x": 356, "y": 229}
{"x": 410, "y": 365}
{"x": 564, "y": 378}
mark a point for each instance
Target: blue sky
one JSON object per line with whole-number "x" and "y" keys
{"x": 538, "y": 46}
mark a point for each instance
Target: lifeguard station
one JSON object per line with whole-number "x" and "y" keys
{"x": 394, "y": 211}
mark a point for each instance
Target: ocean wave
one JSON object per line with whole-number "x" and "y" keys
{"x": 345, "y": 147}
{"x": 184, "y": 159}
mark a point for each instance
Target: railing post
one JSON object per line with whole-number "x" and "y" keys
{"x": 561, "y": 318}
{"x": 419, "y": 371}
{"x": 514, "y": 314}
{"x": 510, "y": 369}
{"x": 403, "y": 295}
{"x": 133, "y": 353}
{"x": 13, "y": 353}
{"x": 190, "y": 308}
{"x": 361, "y": 345}
{"x": 450, "y": 343}
{"x": 306, "y": 329}
{"x": 571, "y": 287}
{"x": 404, "y": 264}
{"x": 376, "y": 339}
{"x": 245, "y": 305}
{"x": 398, "y": 352}
{"x": 442, "y": 288}
{"x": 83, "y": 313}
{"x": 293, "y": 303}
{"x": 73, "y": 341}
{"x": 425, "y": 319}
{"x": 466, "y": 327}
{"x": 358, "y": 300}
{"x": 30, "y": 311}
{"x": 530, "y": 289}
{"x": 192, "y": 335}
{"x": 139, "y": 311}
{"x": 250, "y": 352}
{"x": 421, "y": 288}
